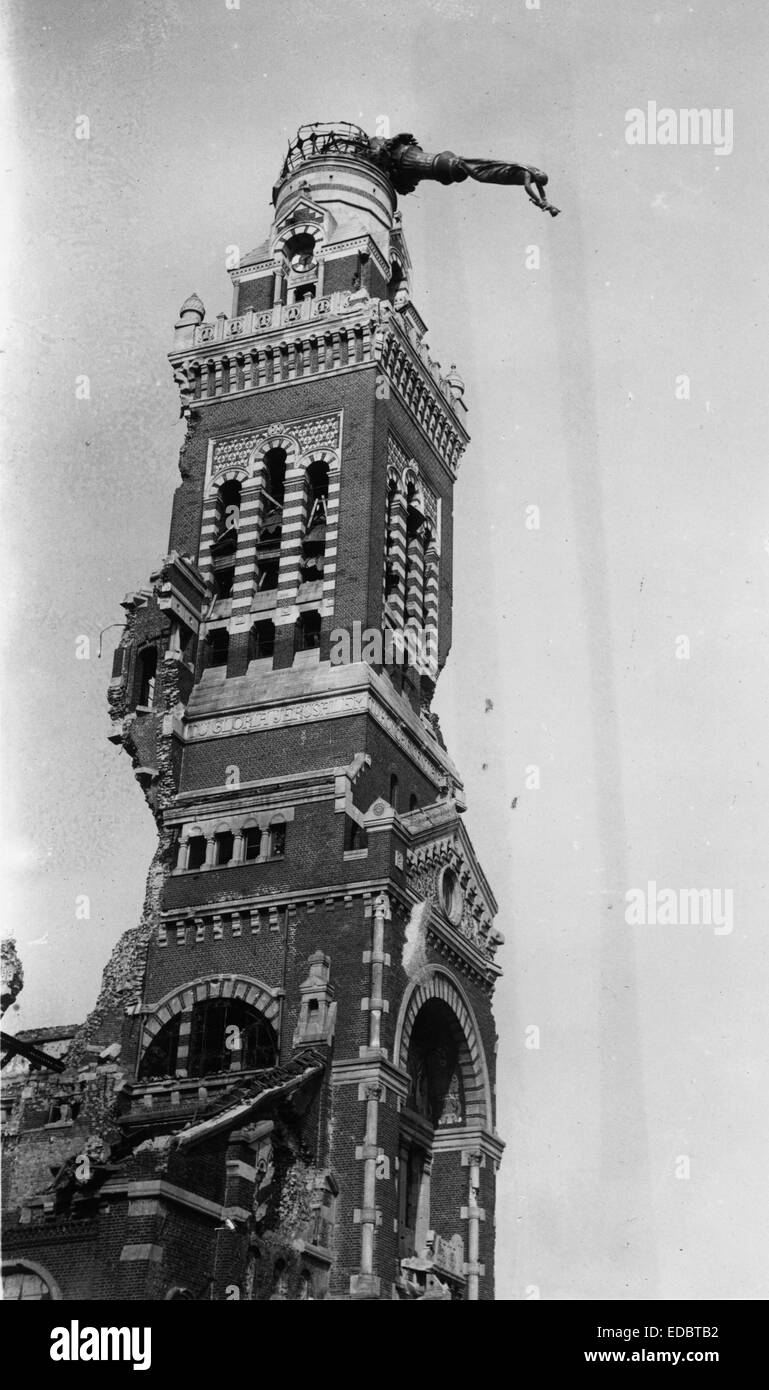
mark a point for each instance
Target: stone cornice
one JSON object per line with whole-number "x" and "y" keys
{"x": 342, "y": 332}
{"x": 361, "y": 1071}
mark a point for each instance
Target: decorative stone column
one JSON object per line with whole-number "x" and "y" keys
{"x": 473, "y": 1214}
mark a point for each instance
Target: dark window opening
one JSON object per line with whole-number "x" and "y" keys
{"x": 186, "y": 642}
{"x": 223, "y": 579}
{"x": 224, "y": 841}
{"x": 355, "y": 836}
{"x": 433, "y": 1066}
{"x": 273, "y": 492}
{"x": 304, "y": 292}
{"x": 196, "y": 854}
{"x": 227, "y": 516}
{"x": 218, "y": 646}
{"x": 394, "y": 791}
{"x": 301, "y": 252}
{"x": 413, "y": 1175}
{"x": 280, "y": 1280}
{"x": 160, "y": 1058}
{"x": 413, "y": 802}
{"x": 262, "y": 641}
{"x": 314, "y": 539}
{"x": 307, "y": 632}
{"x": 252, "y": 839}
{"x": 148, "y": 664}
{"x": 391, "y": 579}
{"x": 277, "y": 840}
{"x": 228, "y": 1035}
{"x": 267, "y": 570}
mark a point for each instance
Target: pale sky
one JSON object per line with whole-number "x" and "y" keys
{"x": 653, "y": 527}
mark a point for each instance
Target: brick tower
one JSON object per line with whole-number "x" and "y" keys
{"x": 287, "y": 1085}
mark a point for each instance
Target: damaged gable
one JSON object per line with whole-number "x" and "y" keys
{"x": 444, "y": 873}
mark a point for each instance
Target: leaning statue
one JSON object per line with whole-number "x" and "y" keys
{"x": 405, "y": 162}
{"x": 407, "y": 165}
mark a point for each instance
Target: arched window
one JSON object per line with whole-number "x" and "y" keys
{"x": 433, "y": 1065}
{"x": 161, "y": 1056}
{"x": 314, "y": 538}
{"x": 228, "y": 1035}
{"x": 391, "y": 574}
{"x": 394, "y": 791}
{"x": 307, "y": 632}
{"x": 24, "y": 1283}
{"x": 305, "y": 1294}
{"x": 227, "y": 515}
{"x": 225, "y": 542}
{"x": 300, "y": 252}
{"x": 273, "y": 484}
{"x": 271, "y": 524}
{"x": 413, "y": 802}
{"x": 262, "y": 642}
{"x": 415, "y": 557}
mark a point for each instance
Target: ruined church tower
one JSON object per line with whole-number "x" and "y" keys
{"x": 294, "y": 1052}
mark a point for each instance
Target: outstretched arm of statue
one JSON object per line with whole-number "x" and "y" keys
{"x": 408, "y": 165}
{"x": 535, "y": 187}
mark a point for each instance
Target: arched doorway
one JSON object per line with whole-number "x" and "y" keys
{"x": 438, "y": 1044}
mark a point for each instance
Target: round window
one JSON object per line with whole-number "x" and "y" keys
{"x": 450, "y": 895}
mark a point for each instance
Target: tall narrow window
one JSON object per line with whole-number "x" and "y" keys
{"x": 355, "y": 836}
{"x": 267, "y": 570}
{"x": 262, "y": 642}
{"x": 196, "y": 852}
{"x": 223, "y": 579}
{"x": 314, "y": 538}
{"x": 274, "y": 485}
{"x": 148, "y": 665}
{"x": 277, "y": 838}
{"x": 271, "y": 524}
{"x": 228, "y": 513}
{"x": 225, "y": 543}
{"x": 307, "y": 632}
{"x": 394, "y": 791}
{"x": 252, "y": 839}
{"x": 218, "y": 643}
{"x": 224, "y": 841}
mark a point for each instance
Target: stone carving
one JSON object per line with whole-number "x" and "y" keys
{"x": 452, "y": 1105}
{"x": 272, "y": 718}
{"x": 319, "y": 433}
{"x": 447, "y": 1255}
